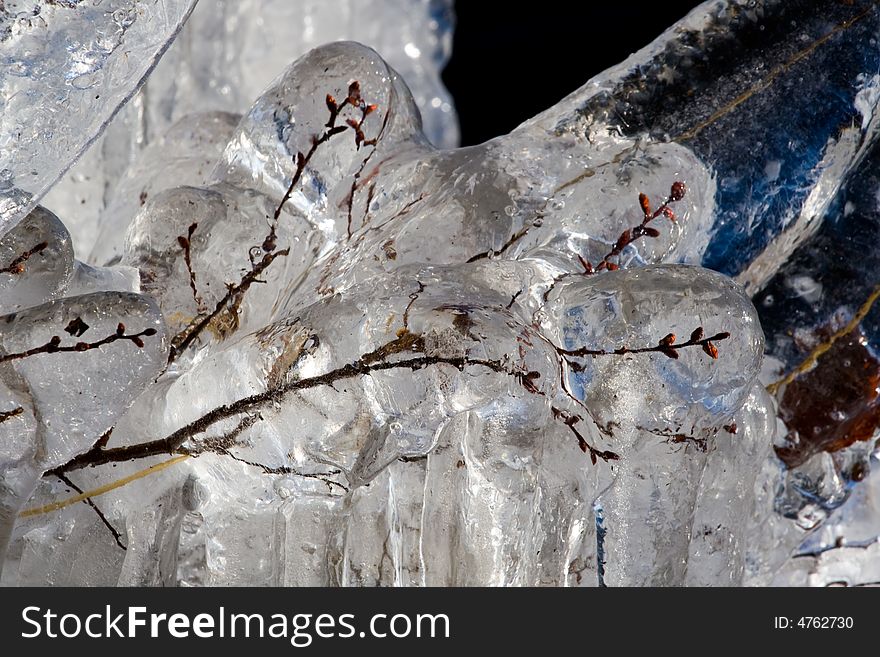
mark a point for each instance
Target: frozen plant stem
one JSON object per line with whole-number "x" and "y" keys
{"x": 117, "y": 537}
{"x": 375, "y": 361}
{"x": 666, "y": 346}
{"x": 570, "y": 420}
{"x": 54, "y": 344}
{"x": 627, "y": 237}
{"x": 8, "y": 415}
{"x": 18, "y": 264}
{"x": 186, "y": 244}
{"x": 608, "y": 263}
{"x": 353, "y": 99}
{"x": 231, "y": 301}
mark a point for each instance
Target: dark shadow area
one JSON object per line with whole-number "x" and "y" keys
{"x": 508, "y": 64}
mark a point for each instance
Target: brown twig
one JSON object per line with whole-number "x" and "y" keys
{"x": 375, "y": 361}
{"x": 518, "y": 235}
{"x": 116, "y": 535}
{"x": 282, "y": 469}
{"x": 353, "y": 99}
{"x": 235, "y": 293}
{"x": 186, "y": 244}
{"x": 366, "y": 216}
{"x": 17, "y": 265}
{"x": 223, "y": 444}
{"x": 628, "y": 236}
{"x": 356, "y": 178}
{"x": 8, "y": 415}
{"x": 513, "y": 300}
{"x": 171, "y": 443}
{"x": 666, "y": 346}
{"x": 412, "y": 299}
{"x": 570, "y": 421}
{"x": 702, "y": 444}
{"x": 232, "y": 299}
{"x": 54, "y": 345}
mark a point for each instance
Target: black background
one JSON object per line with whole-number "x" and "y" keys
{"x": 512, "y": 60}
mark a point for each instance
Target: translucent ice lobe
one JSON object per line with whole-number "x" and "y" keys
{"x": 728, "y": 495}
{"x": 552, "y": 201}
{"x": 493, "y": 505}
{"x": 36, "y": 261}
{"x": 70, "y": 397}
{"x": 594, "y": 198}
{"x": 228, "y": 52}
{"x": 38, "y": 266}
{"x": 66, "y": 70}
{"x": 684, "y": 389}
{"x": 184, "y": 155}
{"x": 293, "y": 112}
{"x": 79, "y": 393}
{"x": 218, "y": 230}
{"x": 658, "y": 409}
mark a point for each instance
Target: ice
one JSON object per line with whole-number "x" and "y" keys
{"x": 184, "y": 155}
{"x": 845, "y": 550}
{"x": 38, "y": 261}
{"x": 66, "y": 69}
{"x": 228, "y": 52}
{"x": 728, "y": 497}
{"x": 536, "y": 361}
{"x": 662, "y": 415}
{"x": 73, "y": 391}
{"x": 78, "y": 395}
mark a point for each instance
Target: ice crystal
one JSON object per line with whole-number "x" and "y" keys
{"x": 313, "y": 348}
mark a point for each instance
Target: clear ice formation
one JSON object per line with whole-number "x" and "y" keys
{"x": 226, "y": 55}
{"x": 66, "y": 66}
{"x": 320, "y": 351}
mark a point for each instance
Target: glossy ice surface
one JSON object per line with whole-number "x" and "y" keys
{"x": 630, "y": 343}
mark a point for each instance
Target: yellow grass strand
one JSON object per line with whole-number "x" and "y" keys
{"x": 814, "y": 355}
{"x": 106, "y": 488}
{"x": 772, "y": 76}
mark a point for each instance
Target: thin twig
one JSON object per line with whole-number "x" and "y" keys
{"x": 186, "y": 245}
{"x": 513, "y": 239}
{"x": 627, "y": 237}
{"x": 412, "y": 299}
{"x": 369, "y": 364}
{"x": 8, "y": 415}
{"x": 88, "y": 500}
{"x": 570, "y": 421}
{"x": 232, "y": 298}
{"x": 353, "y": 99}
{"x": 666, "y": 346}
{"x": 356, "y": 179}
{"x": 17, "y": 265}
{"x": 54, "y": 345}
